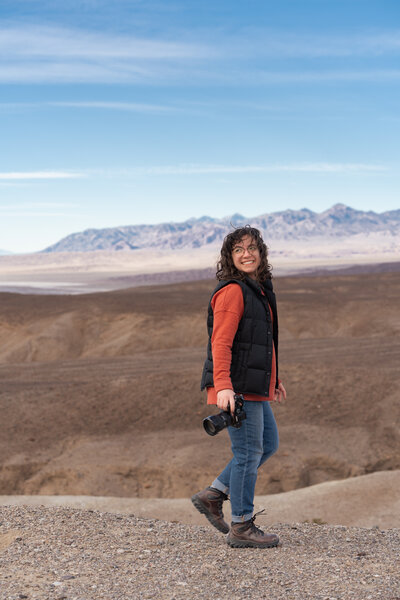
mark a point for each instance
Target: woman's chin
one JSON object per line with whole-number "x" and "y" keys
{"x": 249, "y": 272}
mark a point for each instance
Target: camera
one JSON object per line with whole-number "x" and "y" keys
{"x": 216, "y": 423}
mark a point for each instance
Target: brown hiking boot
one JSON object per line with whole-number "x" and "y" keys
{"x": 209, "y": 503}
{"x": 247, "y": 535}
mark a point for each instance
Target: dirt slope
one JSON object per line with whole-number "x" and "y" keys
{"x": 367, "y": 501}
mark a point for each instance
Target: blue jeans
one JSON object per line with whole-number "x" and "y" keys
{"x": 252, "y": 444}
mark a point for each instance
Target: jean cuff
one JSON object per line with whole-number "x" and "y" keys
{"x": 241, "y": 519}
{"x": 217, "y": 485}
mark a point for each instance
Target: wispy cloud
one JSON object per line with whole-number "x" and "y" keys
{"x": 35, "y": 213}
{"x": 38, "y": 209}
{"x": 26, "y": 175}
{"x": 96, "y": 104}
{"x": 282, "y": 44}
{"x": 41, "y": 54}
{"x": 49, "y": 42}
{"x": 32, "y": 205}
{"x": 112, "y": 73}
{"x": 79, "y": 71}
{"x": 124, "y": 106}
{"x": 192, "y": 169}
{"x": 330, "y": 75}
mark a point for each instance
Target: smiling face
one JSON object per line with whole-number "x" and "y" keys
{"x": 246, "y": 256}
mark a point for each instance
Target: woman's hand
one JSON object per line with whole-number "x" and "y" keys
{"x": 226, "y": 400}
{"x": 280, "y": 393}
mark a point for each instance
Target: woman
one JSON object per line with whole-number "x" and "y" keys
{"x": 242, "y": 358}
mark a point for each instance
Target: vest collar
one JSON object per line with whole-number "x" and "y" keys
{"x": 266, "y": 286}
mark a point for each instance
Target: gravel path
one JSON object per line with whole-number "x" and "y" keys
{"x": 71, "y": 554}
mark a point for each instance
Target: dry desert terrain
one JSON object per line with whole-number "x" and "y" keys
{"x": 101, "y": 423}
{"x": 100, "y": 392}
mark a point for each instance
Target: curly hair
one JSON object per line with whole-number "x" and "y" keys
{"x": 225, "y": 267}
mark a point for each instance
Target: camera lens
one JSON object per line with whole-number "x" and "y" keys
{"x": 209, "y": 427}
{"x": 217, "y": 423}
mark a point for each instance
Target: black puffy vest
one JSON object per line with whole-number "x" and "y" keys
{"x": 253, "y": 342}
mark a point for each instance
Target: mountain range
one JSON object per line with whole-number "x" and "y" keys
{"x": 336, "y": 222}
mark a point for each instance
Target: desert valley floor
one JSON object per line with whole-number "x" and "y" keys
{"x": 100, "y": 393}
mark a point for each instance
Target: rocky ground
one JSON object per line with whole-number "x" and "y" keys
{"x": 70, "y": 554}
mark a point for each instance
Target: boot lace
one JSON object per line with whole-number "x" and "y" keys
{"x": 253, "y": 528}
{"x": 221, "y": 500}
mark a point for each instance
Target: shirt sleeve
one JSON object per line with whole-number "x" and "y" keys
{"x": 228, "y": 307}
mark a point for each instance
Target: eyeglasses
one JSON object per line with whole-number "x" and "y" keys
{"x": 240, "y": 250}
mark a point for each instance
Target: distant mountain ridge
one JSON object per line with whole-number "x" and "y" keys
{"x": 337, "y": 221}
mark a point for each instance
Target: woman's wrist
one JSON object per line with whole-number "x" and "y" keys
{"x": 223, "y": 385}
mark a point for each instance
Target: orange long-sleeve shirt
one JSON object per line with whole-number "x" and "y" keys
{"x": 228, "y": 306}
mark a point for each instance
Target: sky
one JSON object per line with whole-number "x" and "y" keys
{"x": 121, "y": 112}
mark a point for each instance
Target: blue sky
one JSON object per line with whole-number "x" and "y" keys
{"x": 125, "y": 112}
